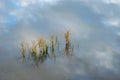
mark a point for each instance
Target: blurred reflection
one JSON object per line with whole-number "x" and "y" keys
{"x": 53, "y": 54}
{"x": 40, "y": 50}
{"x": 38, "y": 57}
{"x": 50, "y": 52}
{"x": 68, "y": 50}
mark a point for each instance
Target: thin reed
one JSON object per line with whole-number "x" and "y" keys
{"x": 67, "y": 37}
{"x": 23, "y": 49}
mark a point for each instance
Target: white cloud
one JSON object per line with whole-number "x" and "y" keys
{"x": 3, "y": 29}
{"x": 27, "y": 3}
{"x": 112, "y": 1}
{"x": 118, "y": 33}
{"x": 50, "y": 1}
{"x": 64, "y": 20}
{"x": 105, "y": 59}
{"x": 112, "y": 22}
{"x": 109, "y": 14}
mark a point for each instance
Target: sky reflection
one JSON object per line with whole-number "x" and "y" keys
{"x": 96, "y": 23}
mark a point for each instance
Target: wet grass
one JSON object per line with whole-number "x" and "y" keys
{"x": 41, "y": 43}
{"x": 42, "y": 48}
{"x": 67, "y": 37}
{"x": 34, "y": 50}
{"x": 69, "y": 46}
{"x": 23, "y": 49}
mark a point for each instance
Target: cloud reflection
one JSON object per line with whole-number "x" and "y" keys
{"x": 96, "y": 23}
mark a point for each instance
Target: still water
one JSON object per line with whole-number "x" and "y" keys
{"x": 96, "y": 53}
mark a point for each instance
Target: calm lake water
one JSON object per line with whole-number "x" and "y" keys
{"x": 95, "y": 57}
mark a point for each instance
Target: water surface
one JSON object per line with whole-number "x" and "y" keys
{"x": 94, "y": 23}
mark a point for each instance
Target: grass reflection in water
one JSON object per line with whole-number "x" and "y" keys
{"x": 41, "y": 49}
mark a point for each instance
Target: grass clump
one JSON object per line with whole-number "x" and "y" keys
{"x": 53, "y": 42}
{"x": 67, "y": 37}
{"x": 41, "y": 43}
{"x": 23, "y": 49}
{"x": 43, "y": 46}
{"x": 34, "y": 50}
{"x": 68, "y": 43}
{"x": 39, "y": 49}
